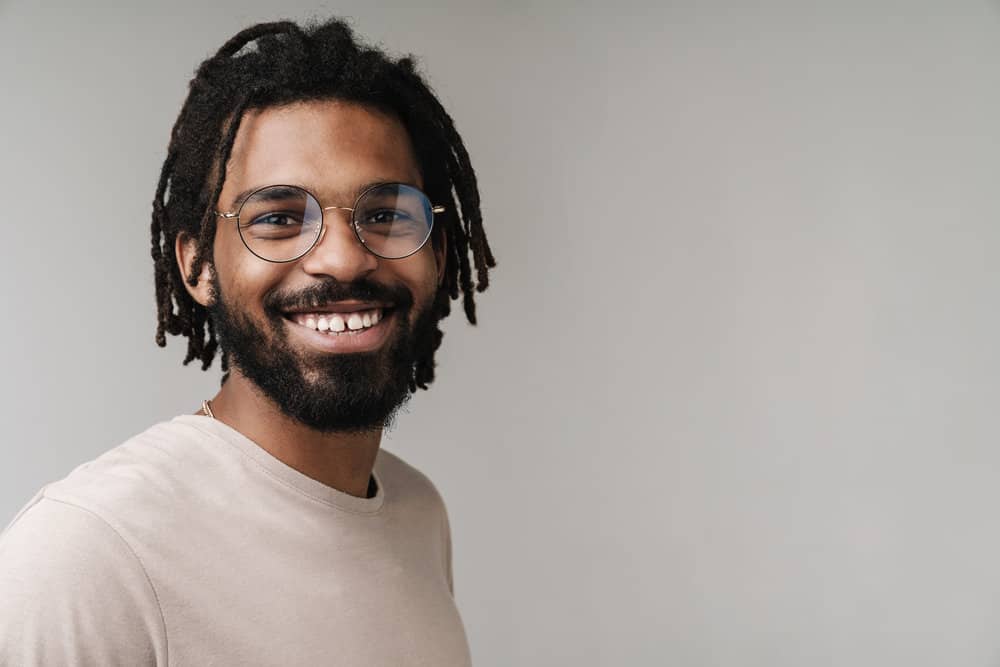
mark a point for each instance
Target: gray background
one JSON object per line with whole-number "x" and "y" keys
{"x": 733, "y": 398}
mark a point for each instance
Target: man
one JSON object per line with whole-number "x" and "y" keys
{"x": 313, "y": 220}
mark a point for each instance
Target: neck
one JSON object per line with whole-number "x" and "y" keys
{"x": 343, "y": 461}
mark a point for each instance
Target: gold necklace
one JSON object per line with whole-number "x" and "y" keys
{"x": 206, "y": 406}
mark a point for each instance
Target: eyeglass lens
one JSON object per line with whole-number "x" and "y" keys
{"x": 281, "y": 223}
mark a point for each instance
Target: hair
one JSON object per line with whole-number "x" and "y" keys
{"x": 274, "y": 64}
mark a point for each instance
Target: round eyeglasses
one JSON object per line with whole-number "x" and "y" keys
{"x": 281, "y": 223}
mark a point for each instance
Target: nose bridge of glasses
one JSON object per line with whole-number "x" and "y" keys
{"x": 338, "y": 208}
{"x": 322, "y": 232}
{"x": 350, "y": 218}
{"x": 324, "y": 209}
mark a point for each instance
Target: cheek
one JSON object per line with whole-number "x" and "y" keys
{"x": 243, "y": 277}
{"x": 420, "y": 272}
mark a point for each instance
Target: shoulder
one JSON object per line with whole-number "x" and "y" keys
{"x": 422, "y": 497}
{"x": 401, "y": 476}
{"x": 129, "y": 498}
{"x": 73, "y": 575}
{"x": 148, "y": 473}
{"x": 72, "y": 589}
{"x": 64, "y": 540}
{"x": 405, "y": 482}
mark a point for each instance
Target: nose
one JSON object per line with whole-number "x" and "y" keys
{"x": 338, "y": 251}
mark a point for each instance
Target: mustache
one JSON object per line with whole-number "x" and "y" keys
{"x": 330, "y": 289}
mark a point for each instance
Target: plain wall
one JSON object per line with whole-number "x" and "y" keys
{"x": 733, "y": 398}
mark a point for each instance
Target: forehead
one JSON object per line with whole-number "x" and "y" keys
{"x": 331, "y": 147}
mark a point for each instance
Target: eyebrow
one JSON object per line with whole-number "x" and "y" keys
{"x": 242, "y": 196}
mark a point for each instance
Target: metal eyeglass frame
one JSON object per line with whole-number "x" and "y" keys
{"x": 235, "y": 215}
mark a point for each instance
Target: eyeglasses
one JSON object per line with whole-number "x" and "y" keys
{"x": 281, "y": 223}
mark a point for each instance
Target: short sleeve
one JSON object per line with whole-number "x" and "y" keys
{"x": 74, "y": 593}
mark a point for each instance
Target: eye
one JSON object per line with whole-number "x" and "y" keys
{"x": 386, "y": 216}
{"x": 275, "y": 219}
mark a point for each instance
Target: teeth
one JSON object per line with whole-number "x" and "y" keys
{"x": 338, "y": 322}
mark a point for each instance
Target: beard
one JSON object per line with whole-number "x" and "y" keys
{"x": 328, "y": 392}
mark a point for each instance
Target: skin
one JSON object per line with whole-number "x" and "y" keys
{"x": 332, "y": 148}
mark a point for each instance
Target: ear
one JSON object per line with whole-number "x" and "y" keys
{"x": 186, "y": 247}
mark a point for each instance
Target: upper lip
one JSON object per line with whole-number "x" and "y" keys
{"x": 339, "y": 307}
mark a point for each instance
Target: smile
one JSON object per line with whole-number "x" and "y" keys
{"x": 336, "y": 323}
{"x": 356, "y": 331}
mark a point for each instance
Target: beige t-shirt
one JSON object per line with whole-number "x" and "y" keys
{"x": 189, "y": 545}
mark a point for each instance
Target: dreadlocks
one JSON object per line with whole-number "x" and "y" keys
{"x": 273, "y": 64}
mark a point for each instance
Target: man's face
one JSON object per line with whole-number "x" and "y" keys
{"x": 349, "y": 381}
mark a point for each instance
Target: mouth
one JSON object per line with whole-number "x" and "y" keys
{"x": 342, "y": 327}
